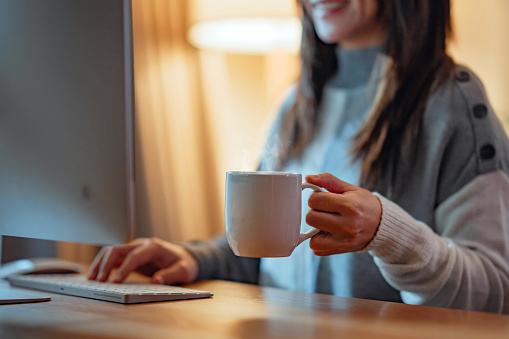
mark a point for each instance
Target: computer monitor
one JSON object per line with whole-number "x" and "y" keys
{"x": 66, "y": 120}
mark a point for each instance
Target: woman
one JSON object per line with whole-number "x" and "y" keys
{"x": 380, "y": 105}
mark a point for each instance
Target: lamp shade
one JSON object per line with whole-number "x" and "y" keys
{"x": 250, "y": 35}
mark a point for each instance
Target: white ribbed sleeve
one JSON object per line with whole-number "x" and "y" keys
{"x": 465, "y": 264}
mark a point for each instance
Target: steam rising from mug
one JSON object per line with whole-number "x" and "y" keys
{"x": 263, "y": 213}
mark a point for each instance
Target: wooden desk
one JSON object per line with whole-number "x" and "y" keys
{"x": 245, "y": 311}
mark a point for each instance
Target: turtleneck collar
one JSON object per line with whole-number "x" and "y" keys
{"x": 354, "y": 66}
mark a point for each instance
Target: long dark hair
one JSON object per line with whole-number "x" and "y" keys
{"x": 417, "y": 31}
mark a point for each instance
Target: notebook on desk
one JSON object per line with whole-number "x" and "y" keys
{"x": 125, "y": 293}
{"x": 10, "y": 295}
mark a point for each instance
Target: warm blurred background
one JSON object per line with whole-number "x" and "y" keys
{"x": 203, "y": 110}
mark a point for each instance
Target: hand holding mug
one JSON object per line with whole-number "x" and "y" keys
{"x": 263, "y": 214}
{"x": 347, "y": 215}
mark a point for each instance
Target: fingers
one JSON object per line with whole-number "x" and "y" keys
{"x": 347, "y": 215}
{"x": 183, "y": 270}
{"x": 94, "y": 267}
{"x": 331, "y": 202}
{"x": 179, "y": 273}
{"x": 325, "y": 221}
{"x": 173, "y": 262}
{"x": 108, "y": 258}
{"x": 112, "y": 258}
{"x": 340, "y": 226}
{"x": 325, "y": 243}
{"x": 330, "y": 183}
{"x": 141, "y": 255}
{"x": 339, "y": 234}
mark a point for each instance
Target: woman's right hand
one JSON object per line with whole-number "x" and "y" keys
{"x": 165, "y": 262}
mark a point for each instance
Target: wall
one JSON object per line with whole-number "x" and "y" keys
{"x": 482, "y": 42}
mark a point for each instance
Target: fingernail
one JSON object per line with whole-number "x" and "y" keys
{"x": 158, "y": 279}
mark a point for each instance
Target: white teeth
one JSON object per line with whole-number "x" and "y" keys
{"x": 321, "y": 9}
{"x": 327, "y": 6}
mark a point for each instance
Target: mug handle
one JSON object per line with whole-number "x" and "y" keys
{"x": 313, "y": 231}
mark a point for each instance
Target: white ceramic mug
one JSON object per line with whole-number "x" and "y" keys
{"x": 263, "y": 213}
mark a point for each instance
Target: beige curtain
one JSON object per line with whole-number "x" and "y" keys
{"x": 177, "y": 199}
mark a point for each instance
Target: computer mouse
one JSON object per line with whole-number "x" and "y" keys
{"x": 39, "y": 266}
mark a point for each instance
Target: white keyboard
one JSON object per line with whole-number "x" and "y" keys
{"x": 125, "y": 293}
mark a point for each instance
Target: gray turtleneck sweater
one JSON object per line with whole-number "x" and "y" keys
{"x": 444, "y": 234}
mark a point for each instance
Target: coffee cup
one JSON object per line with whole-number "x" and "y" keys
{"x": 263, "y": 213}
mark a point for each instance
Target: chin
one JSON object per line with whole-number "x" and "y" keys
{"x": 330, "y": 35}
{"x": 329, "y": 38}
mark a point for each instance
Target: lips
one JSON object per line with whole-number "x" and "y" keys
{"x": 323, "y": 8}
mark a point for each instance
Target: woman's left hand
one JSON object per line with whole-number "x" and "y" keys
{"x": 348, "y": 216}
